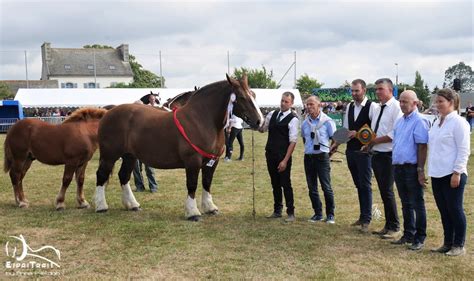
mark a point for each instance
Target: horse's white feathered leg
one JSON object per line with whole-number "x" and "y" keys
{"x": 190, "y": 208}
{"x": 100, "y": 202}
{"x": 207, "y": 205}
{"x": 128, "y": 199}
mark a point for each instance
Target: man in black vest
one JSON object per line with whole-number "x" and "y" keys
{"x": 359, "y": 113}
{"x": 282, "y": 128}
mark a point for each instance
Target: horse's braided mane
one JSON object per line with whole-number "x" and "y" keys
{"x": 85, "y": 114}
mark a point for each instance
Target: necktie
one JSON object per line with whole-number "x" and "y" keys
{"x": 378, "y": 119}
{"x": 279, "y": 116}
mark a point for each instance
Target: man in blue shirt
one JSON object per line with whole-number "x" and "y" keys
{"x": 316, "y": 130}
{"x": 409, "y": 156}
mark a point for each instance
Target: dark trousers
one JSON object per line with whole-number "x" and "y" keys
{"x": 413, "y": 203}
{"x": 450, "y": 205}
{"x": 360, "y": 166}
{"x": 234, "y": 133}
{"x": 383, "y": 171}
{"x": 317, "y": 166}
{"x": 280, "y": 181}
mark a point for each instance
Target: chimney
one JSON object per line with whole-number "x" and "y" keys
{"x": 124, "y": 52}
{"x": 46, "y": 59}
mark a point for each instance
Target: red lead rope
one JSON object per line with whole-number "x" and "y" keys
{"x": 183, "y": 133}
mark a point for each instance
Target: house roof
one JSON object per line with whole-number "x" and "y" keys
{"x": 80, "y": 62}
{"x": 102, "y": 97}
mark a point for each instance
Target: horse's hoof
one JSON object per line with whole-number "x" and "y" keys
{"x": 23, "y": 205}
{"x": 60, "y": 209}
{"x": 194, "y": 218}
{"x": 136, "y": 209}
{"x": 84, "y": 206}
{"x": 101, "y": 211}
{"x": 213, "y": 213}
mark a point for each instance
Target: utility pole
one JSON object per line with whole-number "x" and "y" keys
{"x": 396, "y": 77}
{"x": 294, "y": 62}
{"x": 228, "y": 63}
{"x": 161, "y": 74}
{"x": 26, "y": 69}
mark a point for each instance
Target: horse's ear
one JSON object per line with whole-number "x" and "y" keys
{"x": 245, "y": 81}
{"x": 232, "y": 81}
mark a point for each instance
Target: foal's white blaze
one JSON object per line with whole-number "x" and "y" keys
{"x": 207, "y": 204}
{"x": 128, "y": 199}
{"x": 190, "y": 208}
{"x": 100, "y": 203}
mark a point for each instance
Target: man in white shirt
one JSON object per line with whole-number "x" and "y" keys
{"x": 385, "y": 117}
{"x": 282, "y": 126}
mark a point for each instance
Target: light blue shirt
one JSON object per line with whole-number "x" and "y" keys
{"x": 324, "y": 134}
{"x": 408, "y": 132}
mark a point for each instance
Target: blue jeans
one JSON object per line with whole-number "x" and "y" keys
{"x": 361, "y": 170}
{"x": 150, "y": 174}
{"x": 317, "y": 166}
{"x": 449, "y": 201}
{"x": 413, "y": 203}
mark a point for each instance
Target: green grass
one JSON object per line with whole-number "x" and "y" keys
{"x": 158, "y": 243}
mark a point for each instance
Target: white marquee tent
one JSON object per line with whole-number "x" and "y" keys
{"x": 102, "y": 97}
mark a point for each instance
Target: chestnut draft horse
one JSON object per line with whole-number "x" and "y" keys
{"x": 71, "y": 143}
{"x": 191, "y": 137}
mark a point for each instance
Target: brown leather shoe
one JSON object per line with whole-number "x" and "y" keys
{"x": 364, "y": 228}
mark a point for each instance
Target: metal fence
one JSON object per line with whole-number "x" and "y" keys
{"x": 7, "y": 123}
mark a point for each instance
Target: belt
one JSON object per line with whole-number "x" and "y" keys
{"x": 405, "y": 165}
{"x": 382, "y": 152}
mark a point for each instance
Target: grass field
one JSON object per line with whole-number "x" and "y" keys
{"x": 157, "y": 243}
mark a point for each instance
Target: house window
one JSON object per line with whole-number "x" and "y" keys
{"x": 69, "y": 85}
{"x": 90, "y": 67}
{"x": 112, "y": 67}
{"x": 67, "y": 66}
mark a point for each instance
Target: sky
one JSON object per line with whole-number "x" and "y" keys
{"x": 332, "y": 41}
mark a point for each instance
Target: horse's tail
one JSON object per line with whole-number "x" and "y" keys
{"x": 8, "y": 158}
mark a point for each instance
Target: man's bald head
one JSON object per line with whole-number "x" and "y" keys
{"x": 408, "y": 102}
{"x": 410, "y": 94}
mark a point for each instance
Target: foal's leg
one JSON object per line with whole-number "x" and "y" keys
{"x": 26, "y": 166}
{"x": 80, "y": 173}
{"x": 128, "y": 199}
{"x": 207, "y": 205}
{"x": 67, "y": 178}
{"x": 16, "y": 177}
{"x": 190, "y": 208}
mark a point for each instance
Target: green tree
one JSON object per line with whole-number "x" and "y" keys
{"x": 257, "y": 78}
{"x": 5, "y": 92}
{"x": 463, "y": 72}
{"x": 306, "y": 84}
{"x": 142, "y": 78}
{"x": 421, "y": 89}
